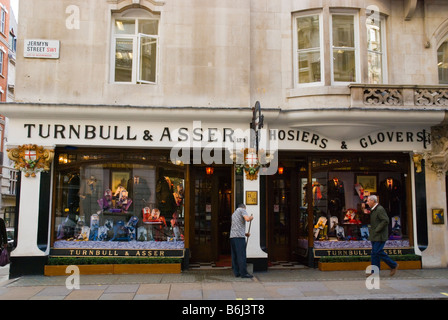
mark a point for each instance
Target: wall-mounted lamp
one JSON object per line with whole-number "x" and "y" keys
{"x": 281, "y": 170}
{"x": 209, "y": 170}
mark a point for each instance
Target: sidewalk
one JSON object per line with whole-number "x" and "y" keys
{"x": 220, "y": 284}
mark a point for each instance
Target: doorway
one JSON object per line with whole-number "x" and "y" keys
{"x": 210, "y": 214}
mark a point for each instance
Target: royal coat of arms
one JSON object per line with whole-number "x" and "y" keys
{"x": 31, "y": 159}
{"x": 249, "y": 161}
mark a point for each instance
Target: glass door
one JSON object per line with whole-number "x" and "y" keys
{"x": 279, "y": 209}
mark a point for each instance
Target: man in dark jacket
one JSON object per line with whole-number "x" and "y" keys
{"x": 379, "y": 234}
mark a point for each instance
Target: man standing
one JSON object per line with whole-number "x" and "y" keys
{"x": 238, "y": 241}
{"x": 379, "y": 222}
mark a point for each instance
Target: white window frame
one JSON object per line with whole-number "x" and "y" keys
{"x": 3, "y": 20}
{"x": 383, "y": 50}
{"x": 2, "y": 60}
{"x": 445, "y": 40}
{"x": 136, "y": 39}
{"x": 356, "y": 48}
{"x": 296, "y": 49}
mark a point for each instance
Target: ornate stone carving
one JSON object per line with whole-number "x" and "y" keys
{"x": 383, "y": 96}
{"x": 431, "y": 97}
{"x": 30, "y": 158}
{"x": 418, "y": 157}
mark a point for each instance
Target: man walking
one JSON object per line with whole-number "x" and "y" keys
{"x": 238, "y": 241}
{"x": 379, "y": 234}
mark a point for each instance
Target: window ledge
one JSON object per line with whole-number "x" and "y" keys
{"x": 317, "y": 91}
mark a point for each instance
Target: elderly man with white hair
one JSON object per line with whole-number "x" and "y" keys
{"x": 379, "y": 234}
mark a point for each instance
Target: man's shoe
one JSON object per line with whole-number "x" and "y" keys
{"x": 247, "y": 276}
{"x": 394, "y": 271}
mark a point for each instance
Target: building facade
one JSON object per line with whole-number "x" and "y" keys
{"x": 141, "y": 124}
{"x": 8, "y": 174}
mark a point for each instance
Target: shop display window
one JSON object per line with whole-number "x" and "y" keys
{"x": 118, "y": 200}
{"x": 340, "y": 187}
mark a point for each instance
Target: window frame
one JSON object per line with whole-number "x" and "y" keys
{"x": 356, "y": 47}
{"x": 3, "y": 20}
{"x": 136, "y": 40}
{"x": 444, "y": 41}
{"x": 297, "y": 50}
{"x": 383, "y": 53}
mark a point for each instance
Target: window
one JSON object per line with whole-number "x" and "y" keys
{"x": 2, "y": 55}
{"x": 3, "y": 21}
{"x": 135, "y": 43}
{"x": 375, "y": 51}
{"x": 309, "y": 53}
{"x": 344, "y": 48}
{"x": 116, "y": 199}
{"x": 442, "y": 63}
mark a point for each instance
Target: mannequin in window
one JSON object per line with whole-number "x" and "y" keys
{"x": 390, "y": 196}
{"x": 336, "y": 197}
{"x": 138, "y": 191}
{"x": 317, "y": 192}
{"x": 164, "y": 195}
{"x": 73, "y": 191}
{"x": 88, "y": 195}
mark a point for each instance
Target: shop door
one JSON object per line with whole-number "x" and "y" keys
{"x": 211, "y": 212}
{"x": 280, "y": 224}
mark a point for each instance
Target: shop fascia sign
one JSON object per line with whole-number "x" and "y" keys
{"x": 41, "y": 49}
{"x": 387, "y": 139}
{"x": 201, "y": 135}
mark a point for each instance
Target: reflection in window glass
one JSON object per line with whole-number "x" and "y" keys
{"x": 308, "y": 44}
{"x": 374, "y": 51}
{"x": 344, "y": 54}
{"x": 124, "y": 27}
{"x": 135, "y": 50}
{"x": 442, "y": 63}
{"x": 131, "y": 203}
{"x": 123, "y": 60}
{"x": 149, "y": 27}
{"x": 148, "y": 52}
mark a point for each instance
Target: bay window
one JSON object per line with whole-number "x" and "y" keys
{"x": 375, "y": 50}
{"x": 328, "y": 49}
{"x": 442, "y": 62}
{"x": 309, "y": 53}
{"x": 344, "y": 48}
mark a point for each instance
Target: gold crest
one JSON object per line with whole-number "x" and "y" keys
{"x": 30, "y": 158}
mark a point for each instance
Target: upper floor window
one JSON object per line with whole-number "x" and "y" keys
{"x": 330, "y": 53}
{"x": 375, "y": 50}
{"x": 309, "y": 49}
{"x": 442, "y": 60}
{"x": 3, "y": 21}
{"x": 135, "y": 47}
{"x": 344, "y": 48}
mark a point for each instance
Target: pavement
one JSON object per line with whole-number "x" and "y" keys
{"x": 301, "y": 283}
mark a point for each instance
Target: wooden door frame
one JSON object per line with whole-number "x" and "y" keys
{"x": 193, "y": 172}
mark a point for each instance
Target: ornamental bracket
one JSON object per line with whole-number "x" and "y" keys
{"x": 30, "y": 159}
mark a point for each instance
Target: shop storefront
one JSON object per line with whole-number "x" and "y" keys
{"x": 316, "y": 201}
{"x": 149, "y": 189}
{"x": 340, "y": 184}
{"x": 117, "y": 199}
{"x": 124, "y": 189}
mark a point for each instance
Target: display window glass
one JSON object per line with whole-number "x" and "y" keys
{"x": 340, "y": 187}
{"x": 116, "y": 199}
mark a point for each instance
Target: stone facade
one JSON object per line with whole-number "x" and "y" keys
{"x": 223, "y": 56}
